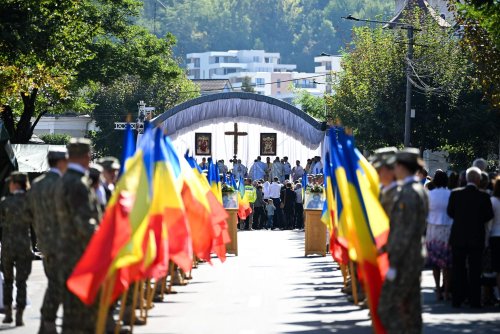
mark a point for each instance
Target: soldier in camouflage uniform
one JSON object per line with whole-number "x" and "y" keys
{"x": 78, "y": 214}
{"x": 383, "y": 161}
{"x": 16, "y": 245}
{"x": 41, "y": 208}
{"x": 400, "y": 306}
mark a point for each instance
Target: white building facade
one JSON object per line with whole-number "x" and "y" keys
{"x": 329, "y": 66}
{"x": 73, "y": 125}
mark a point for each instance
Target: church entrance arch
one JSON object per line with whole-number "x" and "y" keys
{"x": 242, "y": 124}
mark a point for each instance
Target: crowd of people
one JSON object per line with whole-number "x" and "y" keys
{"x": 274, "y": 190}
{"x": 458, "y": 216}
{"x": 463, "y": 235}
{"x": 267, "y": 171}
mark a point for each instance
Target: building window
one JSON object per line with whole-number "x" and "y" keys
{"x": 278, "y": 83}
{"x": 259, "y": 81}
{"x": 256, "y": 59}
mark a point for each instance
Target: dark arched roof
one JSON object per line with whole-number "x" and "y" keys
{"x": 254, "y": 108}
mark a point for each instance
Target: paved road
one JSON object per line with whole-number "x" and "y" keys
{"x": 272, "y": 288}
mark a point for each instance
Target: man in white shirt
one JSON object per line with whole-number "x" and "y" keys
{"x": 275, "y": 194}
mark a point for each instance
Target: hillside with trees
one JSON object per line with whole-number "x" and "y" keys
{"x": 298, "y": 29}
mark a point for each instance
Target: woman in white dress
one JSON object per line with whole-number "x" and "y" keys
{"x": 438, "y": 234}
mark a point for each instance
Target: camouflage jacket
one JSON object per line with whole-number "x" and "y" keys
{"x": 42, "y": 211}
{"x": 408, "y": 221}
{"x": 15, "y": 225}
{"x": 387, "y": 197}
{"x": 78, "y": 214}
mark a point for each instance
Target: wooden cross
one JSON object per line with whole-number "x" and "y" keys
{"x": 235, "y": 133}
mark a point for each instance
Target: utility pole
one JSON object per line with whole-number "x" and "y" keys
{"x": 409, "y": 29}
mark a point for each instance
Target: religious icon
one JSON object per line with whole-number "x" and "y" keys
{"x": 230, "y": 200}
{"x": 314, "y": 200}
{"x": 203, "y": 143}
{"x": 268, "y": 144}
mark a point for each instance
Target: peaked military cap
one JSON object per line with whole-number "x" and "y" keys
{"x": 410, "y": 156}
{"x": 78, "y": 146}
{"x": 385, "y": 156}
{"x": 19, "y": 177}
{"x": 57, "y": 153}
{"x": 95, "y": 170}
{"x": 109, "y": 163}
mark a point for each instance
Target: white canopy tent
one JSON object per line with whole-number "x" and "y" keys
{"x": 298, "y": 135}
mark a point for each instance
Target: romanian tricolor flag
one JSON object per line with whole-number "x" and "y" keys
{"x": 118, "y": 241}
{"x": 218, "y": 215}
{"x": 367, "y": 223}
{"x": 214, "y": 180}
{"x": 180, "y": 244}
{"x": 197, "y": 208}
{"x": 128, "y": 147}
{"x": 244, "y": 209}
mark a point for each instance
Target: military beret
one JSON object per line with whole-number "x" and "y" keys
{"x": 17, "y": 177}
{"x": 109, "y": 163}
{"x": 57, "y": 153}
{"x": 78, "y": 146}
{"x": 410, "y": 156}
{"x": 95, "y": 170}
{"x": 385, "y": 156}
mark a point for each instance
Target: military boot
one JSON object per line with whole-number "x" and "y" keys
{"x": 48, "y": 327}
{"x": 19, "y": 317}
{"x": 8, "y": 315}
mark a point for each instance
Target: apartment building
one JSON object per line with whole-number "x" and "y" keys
{"x": 329, "y": 65}
{"x": 267, "y": 74}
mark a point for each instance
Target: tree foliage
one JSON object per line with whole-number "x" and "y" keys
{"x": 298, "y": 29}
{"x": 370, "y": 94}
{"x": 55, "y": 138}
{"x": 119, "y": 99}
{"x": 57, "y": 55}
{"x": 480, "y": 29}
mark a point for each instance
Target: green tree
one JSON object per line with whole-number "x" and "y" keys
{"x": 310, "y": 104}
{"x": 247, "y": 86}
{"x": 63, "y": 56}
{"x": 119, "y": 99}
{"x": 56, "y": 138}
{"x": 480, "y": 36}
{"x": 370, "y": 95}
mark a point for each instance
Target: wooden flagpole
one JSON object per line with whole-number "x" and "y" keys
{"x": 123, "y": 301}
{"x": 163, "y": 282}
{"x": 134, "y": 304}
{"x": 141, "y": 300}
{"x": 106, "y": 293}
{"x": 354, "y": 283}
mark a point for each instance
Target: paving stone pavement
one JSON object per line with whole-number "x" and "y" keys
{"x": 272, "y": 288}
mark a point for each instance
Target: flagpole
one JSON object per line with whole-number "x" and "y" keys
{"x": 123, "y": 301}
{"x": 141, "y": 301}
{"x": 354, "y": 283}
{"x": 106, "y": 293}
{"x": 134, "y": 304}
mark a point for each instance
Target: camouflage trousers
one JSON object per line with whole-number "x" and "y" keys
{"x": 22, "y": 264}
{"x": 53, "y": 293}
{"x": 400, "y": 307}
{"x": 78, "y": 318}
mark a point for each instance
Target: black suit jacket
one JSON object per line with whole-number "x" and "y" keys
{"x": 470, "y": 209}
